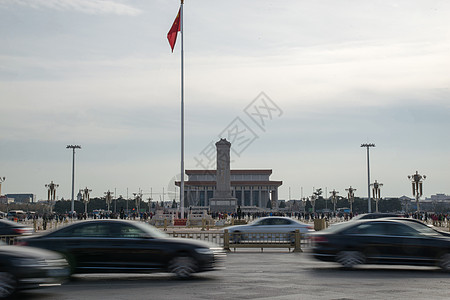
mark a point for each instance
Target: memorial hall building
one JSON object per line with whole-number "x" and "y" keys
{"x": 252, "y": 188}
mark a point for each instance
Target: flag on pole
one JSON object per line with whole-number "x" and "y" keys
{"x": 173, "y": 32}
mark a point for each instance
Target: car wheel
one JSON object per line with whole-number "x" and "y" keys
{"x": 349, "y": 259}
{"x": 444, "y": 262}
{"x": 183, "y": 266}
{"x": 8, "y": 284}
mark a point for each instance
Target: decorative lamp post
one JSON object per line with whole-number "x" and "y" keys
{"x": 351, "y": 197}
{"x": 304, "y": 199}
{"x": 417, "y": 190}
{"x": 73, "y": 147}
{"x": 334, "y": 199}
{"x": 368, "y": 175}
{"x": 85, "y": 197}
{"x": 376, "y": 192}
{"x": 317, "y": 195}
{"x": 137, "y": 199}
{"x": 108, "y": 198}
{"x": 51, "y": 193}
{"x": 2, "y": 179}
{"x": 313, "y": 202}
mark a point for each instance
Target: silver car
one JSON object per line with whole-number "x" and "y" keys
{"x": 279, "y": 228}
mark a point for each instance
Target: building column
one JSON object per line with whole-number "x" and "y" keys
{"x": 260, "y": 198}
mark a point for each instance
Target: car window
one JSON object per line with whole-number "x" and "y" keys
{"x": 85, "y": 230}
{"x": 265, "y": 222}
{"x": 127, "y": 231}
{"x": 281, "y": 222}
{"x": 92, "y": 230}
{"x": 368, "y": 229}
{"x": 422, "y": 228}
{"x": 401, "y": 230}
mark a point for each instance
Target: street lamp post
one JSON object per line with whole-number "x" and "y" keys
{"x": 304, "y": 199}
{"x": 334, "y": 199}
{"x": 115, "y": 201}
{"x": 313, "y": 203}
{"x": 51, "y": 194}
{"x": 138, "y": 198}
{"x": 368, "y": 174}
{"x": 376, "y": 192}
{"x": 85, "y": 195}
{"x": 108, "y": 197}
{"x": 351, "y": 197}
{"x": 2, "y": 179}
{"x": 73, "y": 147}
{"x": 417, "y": 180}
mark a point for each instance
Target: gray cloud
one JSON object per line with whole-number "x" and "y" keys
{"x": 94, "y": 7}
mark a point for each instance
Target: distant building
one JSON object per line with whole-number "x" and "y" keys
{"x": 225, "y": 190}
{"x": 438, "y": 198}
{"x": 252, "y": 188}
{"x": 5, "y": 200}
{"x": 406, "y": 198}
{"x": 22, "y": 198}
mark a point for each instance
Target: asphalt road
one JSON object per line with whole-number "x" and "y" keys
{"x": 267, "y": 275}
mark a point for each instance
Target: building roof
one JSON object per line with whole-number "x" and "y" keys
{"x": 233, "y": 183}
{"x": 232, "y": 172}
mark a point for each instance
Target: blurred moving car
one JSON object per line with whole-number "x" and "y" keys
{"x": 376, "y": 216}
{"x": 268, "y": 225}
{"x": 27, "y": 267}
{"x": 382, "y": 241}
{"x": 422, "y": 224}
{"x": 127, "y": 246}
{"x": 9, "y": 230}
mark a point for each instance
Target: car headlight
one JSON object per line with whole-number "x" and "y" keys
{"x": 28, "y": 262}
{"x": 204, "y": 251}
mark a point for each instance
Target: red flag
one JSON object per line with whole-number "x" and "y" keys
{"x": 173, "y": 32}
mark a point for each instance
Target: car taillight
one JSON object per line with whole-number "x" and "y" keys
{"x": 22, "y": 230}
{"x": 21, "y": 243}
{"x": 319, "y": 239}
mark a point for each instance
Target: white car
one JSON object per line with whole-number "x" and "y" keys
{"x": 277, "y": 228}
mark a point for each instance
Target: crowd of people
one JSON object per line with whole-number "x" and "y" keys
{"x": 436, "y": 219}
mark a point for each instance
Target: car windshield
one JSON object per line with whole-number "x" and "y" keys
{"x": 422, "y": 228}
{"x": 152, "y": 231}
{"x": 110, "y": 230}
{"x": 337, "y": 227}
{"x": 272, "y": 221}
{"x": 256, "y": 222}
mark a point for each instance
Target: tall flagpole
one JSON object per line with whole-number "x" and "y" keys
{"x": 182, "y": 113}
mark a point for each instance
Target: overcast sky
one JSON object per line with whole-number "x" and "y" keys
{"x": 332, "y": 75}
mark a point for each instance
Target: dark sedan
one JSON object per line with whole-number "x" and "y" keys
{"x": 375, "y": 216}
{"x": 382, "y": 241}
{"x": 127, "y": 247}
{"x": 27, "y": 267}
{"x": 9, "y": 230}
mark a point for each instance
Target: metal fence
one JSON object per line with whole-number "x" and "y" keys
{"x": 230, "y": 240}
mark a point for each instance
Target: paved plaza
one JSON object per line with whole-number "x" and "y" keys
{"x": 273, "y": 274}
